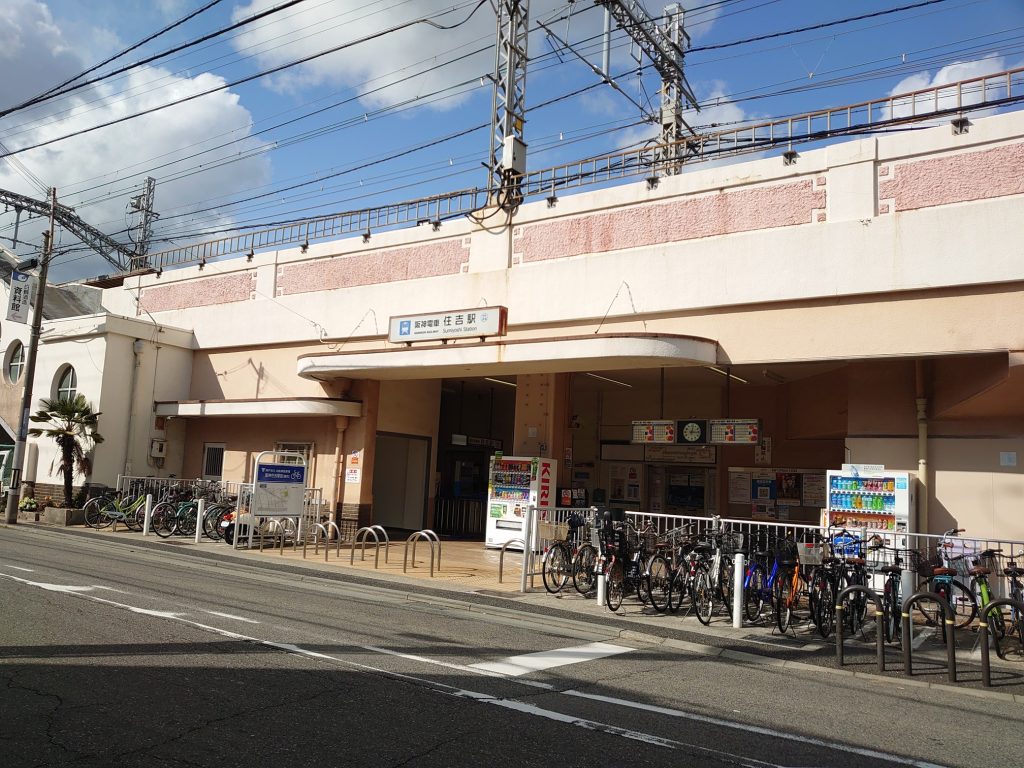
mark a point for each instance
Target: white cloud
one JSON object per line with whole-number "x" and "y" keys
{"x": 962, "y": 70}
{"x": 303, "y": 31}
{"x": 39, "y": 46}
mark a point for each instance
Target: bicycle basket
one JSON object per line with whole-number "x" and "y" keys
{"x": 812, "y": 552}
{"x": 732, "y": 542}
{"x": 552, "y": 531}
{"x": 924, "y": 563}
{"x": 786, "y": 551}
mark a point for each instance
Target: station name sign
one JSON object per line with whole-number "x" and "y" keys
{"x": 478, "y": 322}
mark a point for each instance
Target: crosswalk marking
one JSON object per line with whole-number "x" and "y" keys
{"x": 514, "y": 666}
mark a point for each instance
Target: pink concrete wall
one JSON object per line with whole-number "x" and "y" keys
{"x": 225, "y": 289}
{"x": 723, "y": 213}
{"x": 444, "y": 257}
{"x": 953, "y": 178}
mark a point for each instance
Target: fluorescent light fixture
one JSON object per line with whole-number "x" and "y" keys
{"x": 613, "y": 381}
{"x": 726, "y": 373}
{"x": 500, "y": 381}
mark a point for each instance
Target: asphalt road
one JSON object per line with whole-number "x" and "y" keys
{"x": 113, "y": 655}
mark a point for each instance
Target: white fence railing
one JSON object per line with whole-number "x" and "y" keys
{"x": 961, "y": 553}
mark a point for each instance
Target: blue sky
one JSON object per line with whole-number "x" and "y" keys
{"x": 383, "y": 98}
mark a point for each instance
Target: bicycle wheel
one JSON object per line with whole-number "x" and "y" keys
{"x": 583, "y": 574}
{"x": 961, "y": 600}
{"x": 892, "y": 621}
{"x": 615, "y": 588}
{"x": 133, "y": 515}
{"x": 753, "y": 598}
{"x": 185, "y": 520}
{"x": 556, "y": 568}
{"x": 783, "y": 596}
{"x": 211, "y": 521}
{"x": 677, "y": 589}
{"x": 824, "y": 607}
{"x": 726, "y": 572}
{"x": 703, "y": 597}
{"x": 95, "y": 514}
{"x": 162, "y": 519}
{"x": 659, "y": 580}
{"x": 1010, "y": 647}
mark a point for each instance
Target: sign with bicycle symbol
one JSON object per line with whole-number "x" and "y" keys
{"x": 279, "y": 490}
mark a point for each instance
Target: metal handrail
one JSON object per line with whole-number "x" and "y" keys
{"x": 983, "y": 613}
{"x": 501, "y": 555}
{"x": 360, "y": 537}
{"x": 431, "y": 538}
{"x": 949, "y": 627}
{"x": 879, "y": 615}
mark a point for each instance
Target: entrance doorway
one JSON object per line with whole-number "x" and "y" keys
{"x": 400, "y": 474}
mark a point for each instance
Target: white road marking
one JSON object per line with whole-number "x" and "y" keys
{"x": 17, "y": 568}
{"x": 513, "y": 666}
{"x": 760, "y": 730}
{"x": 531, "y": 709}
{"x": 58, "y": 587}
{"x": 232, "y": 617}
{"x": 451, "y": 665}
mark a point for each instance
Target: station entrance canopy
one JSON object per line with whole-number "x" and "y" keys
{"x": 519, "y": 356}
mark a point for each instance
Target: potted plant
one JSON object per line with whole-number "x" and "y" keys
{"x": 29, "y": 506}
{"x": 71, "y": 423}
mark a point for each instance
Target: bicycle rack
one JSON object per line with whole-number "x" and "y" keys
{"x": 387, "y": 540}
{"x": 430, "y": 537}
{"x": 501, "y": 555}
{"x": 986, "y": 672}
{"x": 271, "y": 526}
{"x": 288, "y": 524}
{"x": 879, "y": 615}
{"x": 949, "y": 624}
{"x": 326, "y": 528}
{"x": 360, "y": 538}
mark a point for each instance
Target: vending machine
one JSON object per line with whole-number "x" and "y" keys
{"x": 870, "y": 497}
{"x": 514, "y": 483}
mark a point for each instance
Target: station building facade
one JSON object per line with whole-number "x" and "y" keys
{"x": 864, "y": 303}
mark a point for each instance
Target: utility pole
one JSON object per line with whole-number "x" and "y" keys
{"x": 507, "y": 161}
{"x": 14, "y": 491}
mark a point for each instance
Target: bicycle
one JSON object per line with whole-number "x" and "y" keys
{"x": 939, "y": 579}
{"x": 759, "y": 581}
{"x": 102, "y": 511}
{"x": 892, "y": 593}
{"x": 178, "y": 518}
{"x": 1000, "y": 624}
{"x": 790, "y": 586}
{"x": 624, "y": 548}
{"x": 715, "y": 576}
{"x": 556, "y": 566}
{"x": 1010, "y": 644}
{"x": 664, "y": 567}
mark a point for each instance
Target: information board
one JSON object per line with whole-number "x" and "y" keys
{"x": 734, "y": 431}
{"x": 660, "y": 431}
{"x": 279, "y": 490}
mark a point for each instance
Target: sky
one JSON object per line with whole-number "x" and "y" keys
{"x": 402, "y": 110}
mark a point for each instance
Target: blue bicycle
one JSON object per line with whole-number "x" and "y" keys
{"x": 759, "y": 580}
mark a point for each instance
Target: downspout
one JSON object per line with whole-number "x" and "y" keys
{"x": 137, "y": 346}
{"x": 922, "y": 448}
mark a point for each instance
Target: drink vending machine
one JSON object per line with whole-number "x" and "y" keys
{"x": 514, "y": 483}
{"x": 870, "y": 497}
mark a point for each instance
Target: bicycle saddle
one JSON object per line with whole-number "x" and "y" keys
{"x": 890, "y": 569}
{"x": 1013, "y": 570}
{"x": 944, "y": 572}
{"x": 979, "y": 571}
{"x": 855, "y": 560}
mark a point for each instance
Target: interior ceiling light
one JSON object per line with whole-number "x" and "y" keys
{"x": 500, "y": 381}
{"x": 726, "y": 373}
{"x": 613, "y": 381}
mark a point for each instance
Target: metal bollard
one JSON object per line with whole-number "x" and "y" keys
{"x": 200, "y": 513}
{"x": 738, "y": 572}
{"x": 986, "y": 671}
{"x": 602, "y": 594}
{"x": 147, "y": 516}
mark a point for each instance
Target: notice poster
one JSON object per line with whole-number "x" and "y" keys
{"x": 814, "y": 490}
{"x": 787, "y": 488}
{"x": 763, "y": 510}
{"x": 762, "y": 490}
{"x": 739, "y": 487}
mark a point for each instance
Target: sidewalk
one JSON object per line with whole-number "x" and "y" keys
{"x": 468, "y": 577}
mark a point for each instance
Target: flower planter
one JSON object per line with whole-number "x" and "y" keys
{"x": 63, "y": 516}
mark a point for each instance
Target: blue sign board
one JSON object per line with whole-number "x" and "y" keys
{"x": 280, "y": 473}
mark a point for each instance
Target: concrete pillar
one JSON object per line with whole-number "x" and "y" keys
{"x": 542, "y": 404}
{"x": 360, "y": 443}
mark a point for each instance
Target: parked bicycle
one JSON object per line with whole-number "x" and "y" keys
{"x": 103, "y": 511}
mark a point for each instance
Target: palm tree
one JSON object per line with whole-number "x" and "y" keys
{"x": 71, "y": 422}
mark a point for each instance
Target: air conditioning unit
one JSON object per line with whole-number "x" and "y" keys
{"x": 157, "y": 448}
